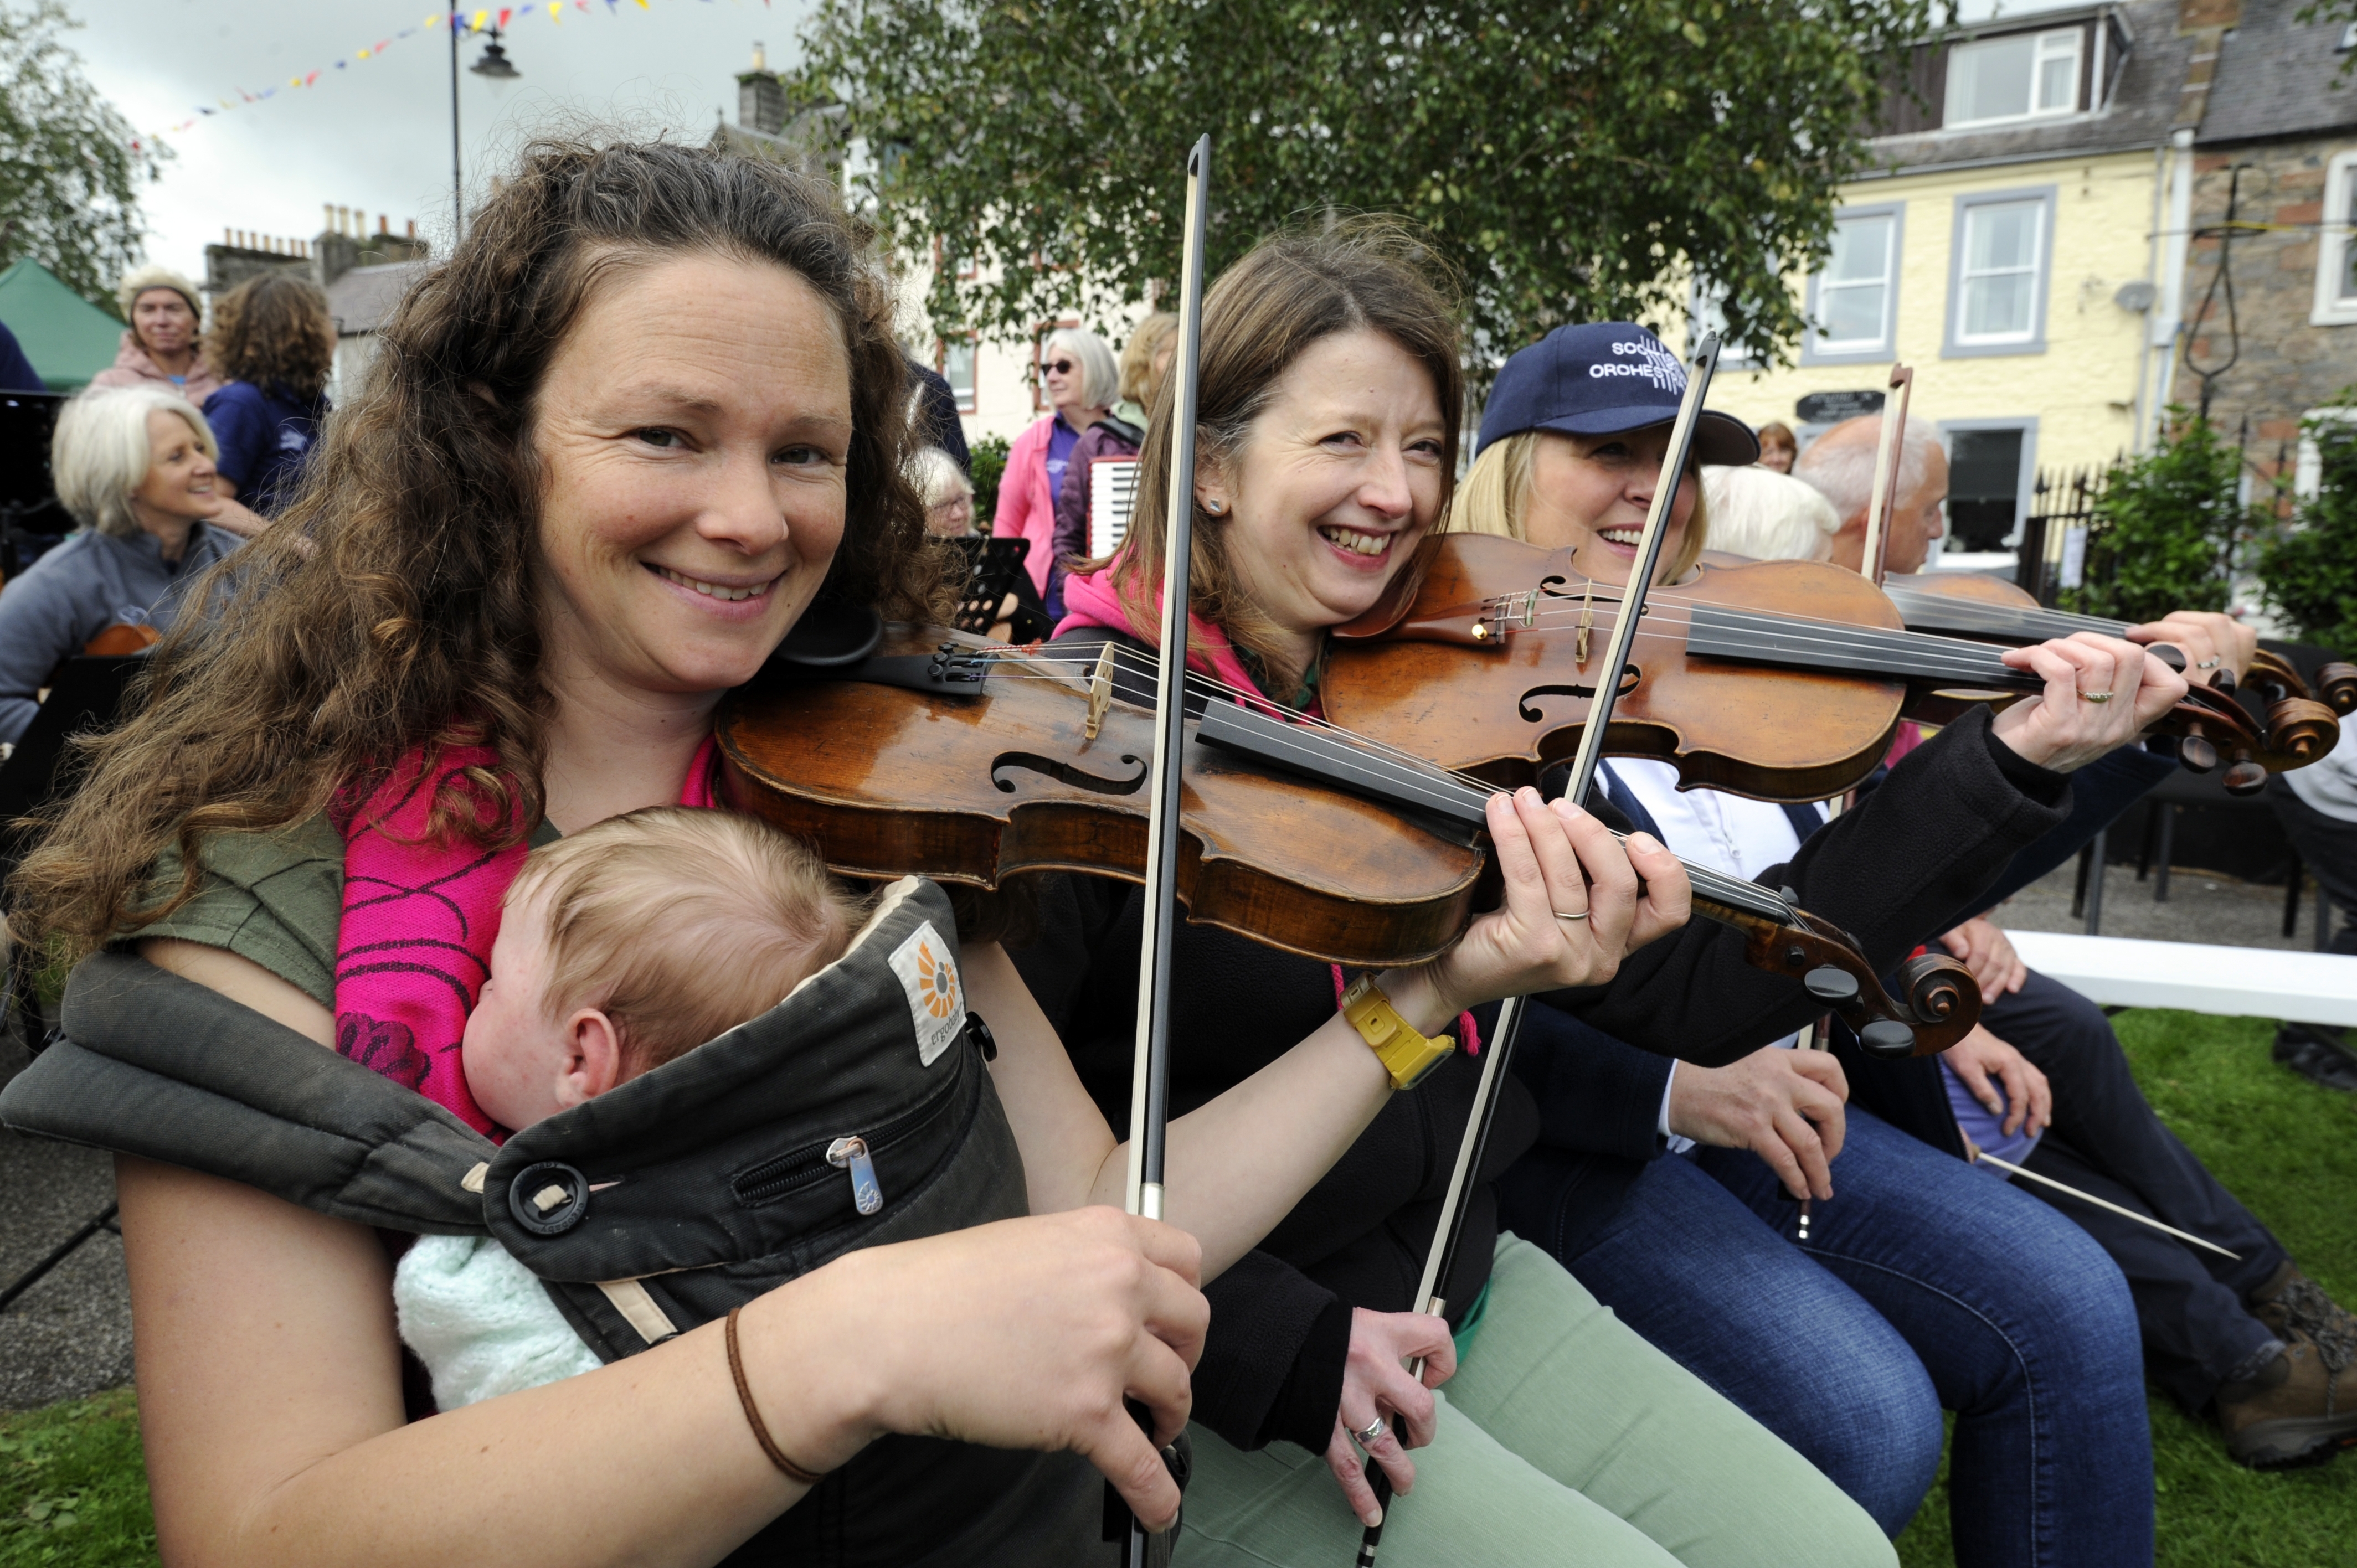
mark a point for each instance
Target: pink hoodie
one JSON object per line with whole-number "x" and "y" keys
{"x": 133, "y": 368}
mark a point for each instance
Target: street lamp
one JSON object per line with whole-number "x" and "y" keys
{"x": 494, "y": 68}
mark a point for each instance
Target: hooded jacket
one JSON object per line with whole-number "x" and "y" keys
{"x": 133, "y": 368}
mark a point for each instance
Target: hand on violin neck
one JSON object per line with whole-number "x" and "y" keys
{"x": 2211, "y": 642}
{"x": 1576, "y": 904}
{"x": 2101, "y": 694}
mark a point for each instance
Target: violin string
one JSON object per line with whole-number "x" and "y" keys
{"x": 1426, "y": 780}
{"x": 1768, "y": 634}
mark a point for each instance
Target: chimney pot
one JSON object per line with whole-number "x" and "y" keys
{"x": 760, "y": 55}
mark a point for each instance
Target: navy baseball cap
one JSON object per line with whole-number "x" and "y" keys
{"x": 1601, "y": 380}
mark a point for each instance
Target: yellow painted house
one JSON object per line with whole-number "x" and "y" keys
{"x": 2018, "y": 246}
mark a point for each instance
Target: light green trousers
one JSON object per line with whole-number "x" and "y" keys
{"x": 1563, "y": 1438}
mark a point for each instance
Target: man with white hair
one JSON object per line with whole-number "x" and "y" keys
{"x": 1841, "y": 463}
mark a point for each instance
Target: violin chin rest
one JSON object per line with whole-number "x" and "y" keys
{"x": 831, "y": 635}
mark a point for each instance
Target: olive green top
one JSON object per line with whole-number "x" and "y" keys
{"x": 274, "y": 897}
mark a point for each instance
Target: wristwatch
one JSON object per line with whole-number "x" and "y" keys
{"x": 1405, "y": 1055}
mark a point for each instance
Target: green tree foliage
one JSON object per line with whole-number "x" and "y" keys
{"x": 2164, "y": 528}
{"x": 2308, "y": 568}
{"x": 69, "y": 163}
{"x": 989, "y": 456}
{"x": 1572, "y": 157}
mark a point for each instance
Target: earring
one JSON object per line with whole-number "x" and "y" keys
{"x": 1215, "y": 509}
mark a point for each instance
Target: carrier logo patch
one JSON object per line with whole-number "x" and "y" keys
{"x": 936, "y": 1000}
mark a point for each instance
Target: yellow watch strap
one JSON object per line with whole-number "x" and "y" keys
{"x": 1405, "y": 1052}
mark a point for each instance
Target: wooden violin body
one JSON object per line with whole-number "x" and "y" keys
{"x": 1780, "y": 680}
{"x": 1487, "y": 669}
{"x": 1005, "y": 776}
{"x": 938, "y": 757}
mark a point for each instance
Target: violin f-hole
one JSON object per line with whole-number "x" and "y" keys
{"x": 1065, "y": 773}
{"x": 1629, "y": 679}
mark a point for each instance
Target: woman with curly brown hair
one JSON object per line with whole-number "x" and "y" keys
{"x": 648, "y": 412}
{"x": 275, "y": 342}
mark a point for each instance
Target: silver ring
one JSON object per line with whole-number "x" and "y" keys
{"x": 2097, "y": 696}
{"x": 1365, "y": 1436}
{"x": 2210, "y": 664}
{"x": 1561, "y": 916}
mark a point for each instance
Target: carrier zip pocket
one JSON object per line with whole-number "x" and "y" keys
{"x": 776, "y": 1178}
{"x": 851, "y": 1154}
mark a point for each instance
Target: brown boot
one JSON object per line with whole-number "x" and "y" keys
{"x": 2300, "y": 1409}
{"x": 2291, "y": 1300}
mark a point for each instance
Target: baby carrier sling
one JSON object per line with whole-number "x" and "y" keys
{"x": 647, "y": 1211}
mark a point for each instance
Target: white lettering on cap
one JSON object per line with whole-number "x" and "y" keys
{"x": 1653, "y": 363}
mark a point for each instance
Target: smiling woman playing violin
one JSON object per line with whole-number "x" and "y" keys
{"x": 648, "y": 412}
{"x": 1920, "y": 1287}
{"x": 1328, "y": 419}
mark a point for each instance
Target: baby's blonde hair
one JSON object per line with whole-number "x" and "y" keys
{"x": 680, "y": 924}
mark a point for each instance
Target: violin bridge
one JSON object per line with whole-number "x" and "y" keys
{"x": 1100, "y": 691}
{"x": 1587, "y": 623}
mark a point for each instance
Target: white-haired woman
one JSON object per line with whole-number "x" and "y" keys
{"x": 134, "y": 468}
{"x": 1763, "y": 515}
{"x": 1082, "y": 382}
{"x": 161, "y": 348}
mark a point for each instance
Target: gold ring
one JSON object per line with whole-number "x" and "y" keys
{"x": 1561, "y": 916}
{"x": 1366, "y": 1435}
{"x": 2097, "y": 696}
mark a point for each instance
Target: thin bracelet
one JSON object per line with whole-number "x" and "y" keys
{"x": 786, "y": 1466}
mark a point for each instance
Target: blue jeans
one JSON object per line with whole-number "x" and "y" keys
{"x": 1925, "y": 1283}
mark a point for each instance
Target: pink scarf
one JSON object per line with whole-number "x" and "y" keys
{"x": 414, "y": 944}
{"x": 1092, "y": 601}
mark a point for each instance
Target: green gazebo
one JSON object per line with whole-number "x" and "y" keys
{"x": 68, "y": 339}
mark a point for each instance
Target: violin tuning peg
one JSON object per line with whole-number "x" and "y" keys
{"x": 2196, "y": 755}
{"x": 2168, "y": 653}
{"x": 2245, "y": 777}
{"x": 1888, "y": 1038}
{"x": 1830, "y": 984}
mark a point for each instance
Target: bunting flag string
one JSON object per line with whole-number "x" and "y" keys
{"x": 483, "y": 20}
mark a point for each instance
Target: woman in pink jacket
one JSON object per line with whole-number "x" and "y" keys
{"x": 1083, "y": 381}
{"x": 162, "y": 347}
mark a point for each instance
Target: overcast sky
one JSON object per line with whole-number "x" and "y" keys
{"x": 376, "y": 134}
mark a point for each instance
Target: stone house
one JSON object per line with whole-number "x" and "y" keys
{"x": 2271, "y": 276}
{"x": 363, "y": 275}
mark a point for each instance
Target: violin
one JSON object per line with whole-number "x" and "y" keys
{"x": 1965, "y": 604}
{"x": 1778, "y": 680}
{"x": 932, "y": 753}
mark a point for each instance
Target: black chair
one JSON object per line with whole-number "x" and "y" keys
{"x": 86, "y": 696}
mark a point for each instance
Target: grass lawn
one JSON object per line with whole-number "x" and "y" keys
{"x": 2289, "y": 1150}
{"x": 73, "y": 1492}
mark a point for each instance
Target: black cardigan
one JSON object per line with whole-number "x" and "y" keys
{"x": 1953, "y": 813}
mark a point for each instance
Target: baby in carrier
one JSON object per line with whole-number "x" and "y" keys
{"x": 622, "y": 948}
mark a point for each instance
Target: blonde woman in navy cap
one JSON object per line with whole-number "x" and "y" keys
{"x": 1924, "y": 1283}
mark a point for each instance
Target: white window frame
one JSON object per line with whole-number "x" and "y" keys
{"x": 1705, "y": 314}
{"x": 1957, "y": 345}
{"x": 2026, "y": 483}
{"x": 2332, "y": 308}
{"x": 1814, "y": 350}
{"x": 970, "y": 398}
{"x": 2039, "y": 53}
{"x": 2307, "y": 468}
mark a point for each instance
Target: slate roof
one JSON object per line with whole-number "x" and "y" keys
{"x": 2143, "y": 106}
{"x": 362, "y": 299}
{"x": 2276, "y": 77}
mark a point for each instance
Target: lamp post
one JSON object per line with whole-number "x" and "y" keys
{"x": 494, "y": 68}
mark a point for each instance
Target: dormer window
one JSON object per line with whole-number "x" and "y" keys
{"x": 2022, "y": 76}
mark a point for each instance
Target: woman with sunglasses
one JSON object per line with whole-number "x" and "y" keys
{"x": 1082, "y": 382}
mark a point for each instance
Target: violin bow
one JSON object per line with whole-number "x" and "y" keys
{"x": 1440, "y": 1260}
{"x": 1885, "y": 498}
{"x": 1149, "y": 1092}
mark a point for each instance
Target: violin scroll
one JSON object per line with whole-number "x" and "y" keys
{"x": 1939, "y": 1005}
